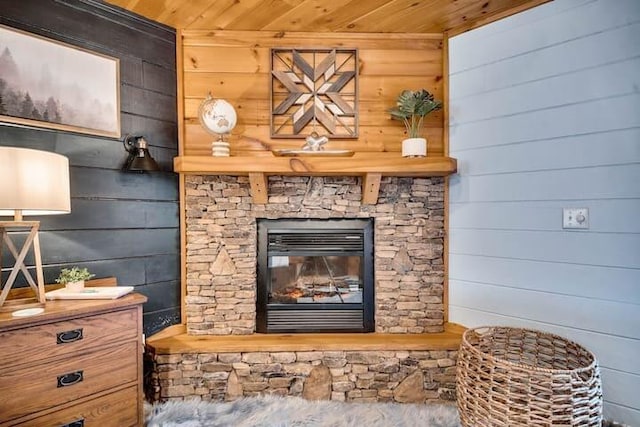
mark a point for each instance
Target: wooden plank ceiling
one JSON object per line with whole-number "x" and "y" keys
{"x": 363, "y": 16}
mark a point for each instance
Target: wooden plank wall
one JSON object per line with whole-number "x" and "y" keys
{"x": 121, "y": 224}
{"x": 535, "y": 132}
{"x": 234, "y": 65}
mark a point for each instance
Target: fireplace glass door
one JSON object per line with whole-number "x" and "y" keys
{"x": 315, "y": 279}
{"x": 315, "y": 275}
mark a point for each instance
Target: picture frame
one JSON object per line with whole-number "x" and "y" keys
{"x": 49, "y": 84}
{"x": 313, "y": 92}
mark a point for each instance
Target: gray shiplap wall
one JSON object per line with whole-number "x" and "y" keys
{"x": 123, "y": 225}
{"x": 545, "y": 114}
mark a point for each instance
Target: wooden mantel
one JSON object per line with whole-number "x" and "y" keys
{"x": 371, "y": 166}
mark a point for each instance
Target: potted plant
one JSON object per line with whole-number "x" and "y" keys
{"x": 73, "y": 278}
{"x": 411, "y": 108}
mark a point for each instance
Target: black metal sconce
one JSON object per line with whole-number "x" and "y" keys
{"x": 139, "y": 159}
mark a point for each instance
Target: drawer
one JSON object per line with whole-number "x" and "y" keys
{"x": 67, "y": 337}
{"x": 32, "y": 389}
{"x": 116, "y": 409}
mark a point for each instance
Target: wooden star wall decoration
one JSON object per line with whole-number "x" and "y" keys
{"x": 314, "y": 90}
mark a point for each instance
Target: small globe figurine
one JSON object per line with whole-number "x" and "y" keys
{"x": 218, "y": 117}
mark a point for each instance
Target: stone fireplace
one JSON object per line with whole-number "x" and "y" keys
{"x": 219, "y": 356}
{"x": 222, "y": 259}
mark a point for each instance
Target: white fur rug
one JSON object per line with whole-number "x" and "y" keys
{"x": 275, "y": 411}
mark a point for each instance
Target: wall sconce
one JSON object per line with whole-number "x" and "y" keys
{"x": 139, "y": 159}
{"x": 32, "y": 182}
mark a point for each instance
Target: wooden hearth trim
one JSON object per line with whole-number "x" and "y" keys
{"x": 183, "y": 343}
{"x": 371, "y": 166}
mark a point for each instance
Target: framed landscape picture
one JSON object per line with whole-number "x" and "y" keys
{"x": 49, "y": 84}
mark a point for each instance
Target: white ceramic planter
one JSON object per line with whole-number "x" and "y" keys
{"x": 414, "y": 147}
{"x": 75, "y": 286}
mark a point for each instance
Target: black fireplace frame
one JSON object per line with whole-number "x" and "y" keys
{"x": 264, "y": 310}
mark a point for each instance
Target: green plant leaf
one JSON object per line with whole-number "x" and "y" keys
{"x": 411, "y": 107}
{"x": 73, "y": 274}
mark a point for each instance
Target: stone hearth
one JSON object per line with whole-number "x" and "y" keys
{"x": 221, "y": 246}
{"x": 354, "y": 376}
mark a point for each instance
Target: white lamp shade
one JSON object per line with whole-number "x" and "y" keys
{"x": 34, "y": 182}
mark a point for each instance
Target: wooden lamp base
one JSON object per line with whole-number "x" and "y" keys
{"x": 36, "y": 286}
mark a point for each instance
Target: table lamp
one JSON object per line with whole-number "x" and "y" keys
{"x": 32, "y": 182}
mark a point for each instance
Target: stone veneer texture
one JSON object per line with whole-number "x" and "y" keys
{"x": 354, "y": 376}
{"x": 221, "y": 246}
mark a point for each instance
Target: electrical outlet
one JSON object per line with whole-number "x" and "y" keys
{"x": 575, "y": 218}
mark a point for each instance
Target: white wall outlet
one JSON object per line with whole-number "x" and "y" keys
{"x": 575, "y": 218}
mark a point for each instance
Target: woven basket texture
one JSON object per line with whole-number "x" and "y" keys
{"x": 509, "y": 377}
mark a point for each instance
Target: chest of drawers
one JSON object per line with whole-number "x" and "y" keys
{"x": 77, "y": 364}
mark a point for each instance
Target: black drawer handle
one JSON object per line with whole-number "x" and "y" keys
{"x": 70, "y": 379}
{"x": 69, "y": 336}
{"x": 76, "y": 423}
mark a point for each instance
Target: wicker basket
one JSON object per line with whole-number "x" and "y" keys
{"x": 510, "y": 377}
